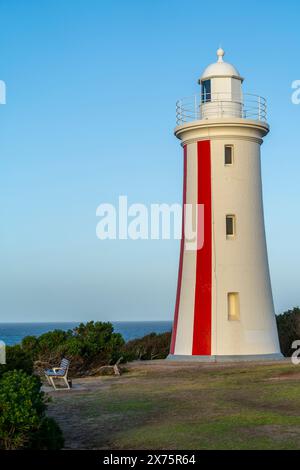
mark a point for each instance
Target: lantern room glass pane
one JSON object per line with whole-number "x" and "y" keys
{"x": 206, "y": 91}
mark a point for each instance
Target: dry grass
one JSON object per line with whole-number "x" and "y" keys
{"x": 165, "y": 405}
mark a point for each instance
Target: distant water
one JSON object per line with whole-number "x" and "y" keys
{"x": 13, "y": 333}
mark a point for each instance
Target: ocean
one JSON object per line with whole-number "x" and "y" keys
{"x": 13, "y": 333}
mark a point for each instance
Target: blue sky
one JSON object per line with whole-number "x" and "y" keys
{"x": 91, "y": 92}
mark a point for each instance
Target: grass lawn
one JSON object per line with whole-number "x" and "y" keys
{"x": 162, "y": 405}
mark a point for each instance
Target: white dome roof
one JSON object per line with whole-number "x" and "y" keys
{"x": 220, "y": 68}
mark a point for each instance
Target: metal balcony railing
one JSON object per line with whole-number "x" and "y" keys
{"x": 221, "y": 105}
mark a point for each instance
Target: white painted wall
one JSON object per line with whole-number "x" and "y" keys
{"x": 239, "y": 265}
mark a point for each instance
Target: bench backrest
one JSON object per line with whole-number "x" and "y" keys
{"x": 64, "y": 364}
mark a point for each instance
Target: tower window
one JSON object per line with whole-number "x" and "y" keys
{"x": 228, "y": 154}
{"x": 230, "y": 226}
{"x": 233, "y": 303}
{"x": 206, "y": 91}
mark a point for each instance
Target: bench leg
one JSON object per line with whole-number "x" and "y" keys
{"x": 66, "y": 382}
{"x": 48, "y": 380}
{"x": 61, "y": 388}
{"x": 52, "y": 383}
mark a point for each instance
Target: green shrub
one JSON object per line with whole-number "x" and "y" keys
{"x": 23, "y": 423}
{"x": 51, "y": 342}
{"x": 94, "y": 341}
{"x": 17, "y": 359}
{"x": 48, "y": 437}
{"x": 87, "y": 346}
{"x": 152, "y": 346}
{"x": 288, "y": 324}
{"x": 94, "y": 338}
{"x": 92, "y": 345}
{"x": 30, "y": 344}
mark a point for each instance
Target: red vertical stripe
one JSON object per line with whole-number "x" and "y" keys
{"x": 174, "y": 332}
{"x": 202, "y": 312}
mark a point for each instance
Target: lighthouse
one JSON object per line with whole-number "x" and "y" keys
{"x": 224, "y": 307}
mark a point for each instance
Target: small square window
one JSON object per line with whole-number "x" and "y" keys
{"x": 228, "y": 155}
{"x": 233, "y": 303}
{"x": 230, "y": 226}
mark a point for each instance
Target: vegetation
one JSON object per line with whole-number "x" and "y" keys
{"x": 88, "y": 347}
{"x": 23, "y": 423}
{"x": 91, "y": 346}
{"x": 17, "y": 359}
{"x": 288, "y": 324}
{"x": 153, "y": 346}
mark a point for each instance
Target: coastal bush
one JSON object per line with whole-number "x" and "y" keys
{"x": 93, "y": 339}
{"x": 152, "y": 346}
{"x": 288, "y": 324}
{"x": 88, "y": 346}
{"x": 17, "y": 359}
{"x": 23, "y": 423}
{"x": 48, "y": 437}
{"x": 52, "y": 342}
{"x": 30, "y": 344}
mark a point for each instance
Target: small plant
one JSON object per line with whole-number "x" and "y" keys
{"x": 152, "y": 346}
{"x": 30, "y": 344}
{"x": 23, "y": 423}
{"x": 288, "y": 324}
{"x": 17, "y": 359}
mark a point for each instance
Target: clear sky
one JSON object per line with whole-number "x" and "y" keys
{"x": 91, "y": 92}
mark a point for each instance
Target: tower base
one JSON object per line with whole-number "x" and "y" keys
{"x": 241, "y": 358}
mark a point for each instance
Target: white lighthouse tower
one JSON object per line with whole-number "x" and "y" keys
{"x": 224, "y": 306}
